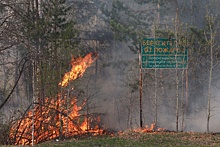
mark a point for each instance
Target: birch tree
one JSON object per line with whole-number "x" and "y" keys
{"x": 207, "y": 38}
{"x": 210, "y": 38}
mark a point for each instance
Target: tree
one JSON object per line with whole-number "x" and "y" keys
{"x": 42, "y": 33}
{"x": 210, "y": 36}
{"x": 207, "y": 40}
{"x": 48, "y": 37}
{"x": 130, "y": 24}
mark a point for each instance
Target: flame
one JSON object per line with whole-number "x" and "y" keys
{"x": 53, "y": 119}
{"x": 47, "y": 126}
{"x": 149, "y": 129}
{"x": 79, "y": 66}
{"x": 152, "y": 128}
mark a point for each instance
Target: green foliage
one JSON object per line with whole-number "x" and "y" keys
{"x": 134, "y": 86}
{"x": 203, "y": 37}
{"x": 61, "y": 44}
{"x": 141, "y": 2}
{"x": 130, "y": 24}
{"x": 183, "y": 39}
{"x": 165, "y": 33}
{"x": 122, "y": 32}
{"x": 52, "y": 37}
{"x": 126, "y": 24}
{"x": 199, "y": 34}
{"x": 2, "y": 8}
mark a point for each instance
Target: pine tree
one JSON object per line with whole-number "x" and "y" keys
{"x": 51, "y": 37}
{"x": 60, "y": 40}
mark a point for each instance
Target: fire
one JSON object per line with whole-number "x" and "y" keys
{"x": 152, "y": 128}
{"x": 47, "y": 126}
{"x": 57, "y": 117}
{"x": 79, "y": 66}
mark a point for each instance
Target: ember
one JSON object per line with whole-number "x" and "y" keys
{"x": 53, "y": 119}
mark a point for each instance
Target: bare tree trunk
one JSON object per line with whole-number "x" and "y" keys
{"x": 177, "y": 79}
{"x": 155, "y": 99}
{"x": 130, "y": 112}
{"x": 16, "y": 77}
{"x": 141, "y": 87}
{"x": 177, "y": 101}
{"x": 155, "y": 72}
{"x": 191, "y": 12}
{"x": 161, "y": 82}
{"x": 35, "y": 70}
{"x": 96, "y": 62}
{"x": 182, "y": 103}
{"x": 158, "y": 12}
{"x": 155, "y": 86}
{"x": 33, "y": 99}
{"x": 67, "y": 111}
{"x": 211, "y": 43}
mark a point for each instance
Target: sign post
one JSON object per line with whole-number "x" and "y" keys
{"x": 162, "y": 53}
{"x": 141, "y": 86}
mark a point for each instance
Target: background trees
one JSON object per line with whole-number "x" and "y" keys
{"x": 169, "y": 19}
{"x": 47, "y": 38}
{"x": 38, "y": 38}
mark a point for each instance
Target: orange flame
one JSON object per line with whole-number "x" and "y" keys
{"x": 47, "y": 126}
{"x": 152, "y": 128}
{"x": 79, "y": 66}
{"x": 53, "y": 119}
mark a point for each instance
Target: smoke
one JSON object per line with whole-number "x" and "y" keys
{"x": 114, "y": 94}
{"x": 120, "y": 105}
{"x": 115, "y": 89}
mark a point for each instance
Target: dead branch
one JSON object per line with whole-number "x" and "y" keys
{"x": 5, "y": 48}
{"x": 16, "y": 83}
{"x": 19, "y": 124}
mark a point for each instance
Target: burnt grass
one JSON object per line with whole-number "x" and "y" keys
{"x": 138, "y": 139}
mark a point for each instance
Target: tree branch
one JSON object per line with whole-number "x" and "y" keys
{"x": 5, "y": 48}
{"x": 16, "y": 83}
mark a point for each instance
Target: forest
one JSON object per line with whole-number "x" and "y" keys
{"x": 69, "y": 67}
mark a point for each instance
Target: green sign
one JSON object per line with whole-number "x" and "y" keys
{"x": 163, "y": 53}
